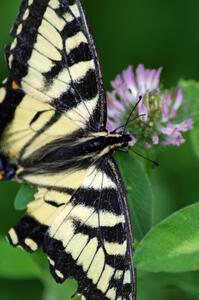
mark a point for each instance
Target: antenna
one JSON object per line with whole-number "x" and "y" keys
{"x": 137, "y": 117}
{"x": 133, "y": 109}
{"x": 155, "y": 163}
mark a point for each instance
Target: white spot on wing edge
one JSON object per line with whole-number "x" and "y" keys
{"x": 75, "y": 10}
{"x": 31, "y": 244}
{"x": 127, "y": 277}
{"x": 2, "y": 94}
{"x": 5, "y": 80}
{"x": 10, "y": 60}
{"x": 13, "y": 236}
{"x": 26, "y": 14}
{"x": 19, "y": 29}
{"x": 59, "y": 274}
{"x": 14, "y": 44}
{"x": 52, "y": 263}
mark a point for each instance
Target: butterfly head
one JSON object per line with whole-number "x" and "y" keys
{"x": 127, "y": 139}
{"x": 121, "y": 139}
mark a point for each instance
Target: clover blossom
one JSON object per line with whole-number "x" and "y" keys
{"x": 154, "y": 116}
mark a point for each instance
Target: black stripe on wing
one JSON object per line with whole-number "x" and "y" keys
{"x": 25, "y": 34}
{"x": 110, "y": 234}
{"x": 81, "y": 90}
{"x": 91, "y": 240}
{"x": 9, "y": 101}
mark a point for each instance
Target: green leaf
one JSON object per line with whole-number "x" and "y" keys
{"x": 24, "y": 196}
{"x": 55, "y": 291}
{"x": 195, "y": 139}
{"x": 191, "y": 93}
{"x": 16, "y": 264}
{"x": 187, "y": 282}
{"x": 139, "y": 193}
{"x": 14, "y": 289}
{"x": 167, "y": 285}
{"x": 8, "y": 215}
{"x": 191, "y": 96}
{"x": 172, "y": 245}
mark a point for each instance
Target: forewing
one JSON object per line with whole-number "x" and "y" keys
{"x": 53, "y": 59}
{"x": 27, "y": 124}
{"x": 91, "y": 238}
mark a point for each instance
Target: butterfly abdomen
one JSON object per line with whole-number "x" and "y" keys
{"x": 75, "y": 152}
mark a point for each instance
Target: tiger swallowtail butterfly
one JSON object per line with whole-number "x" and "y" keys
{"x": 53, "y": 136}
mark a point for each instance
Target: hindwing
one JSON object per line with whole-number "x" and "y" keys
{"x": 90, "y": 239}
{"x": 54, "y": 191}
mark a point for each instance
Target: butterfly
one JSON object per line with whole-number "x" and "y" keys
{"x": 53, "y": 136}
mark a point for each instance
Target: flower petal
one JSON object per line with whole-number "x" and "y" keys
{"x": 177, "y": 104}
{"x": 165, "y": 103}
{"x": 119, "y": 86}
{"x": 129, "y": 79}
{"x": 156, "y": 79}
{"x": 155, "y": 139}
{"x": 184, "y": 126}
{"x": 141, "y": 79}
{"x": 176, "y": 140}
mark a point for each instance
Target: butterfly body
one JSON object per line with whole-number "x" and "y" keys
{"x": 53, "y": 130}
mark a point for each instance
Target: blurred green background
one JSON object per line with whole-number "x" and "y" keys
{"x": 156, "y": 33}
